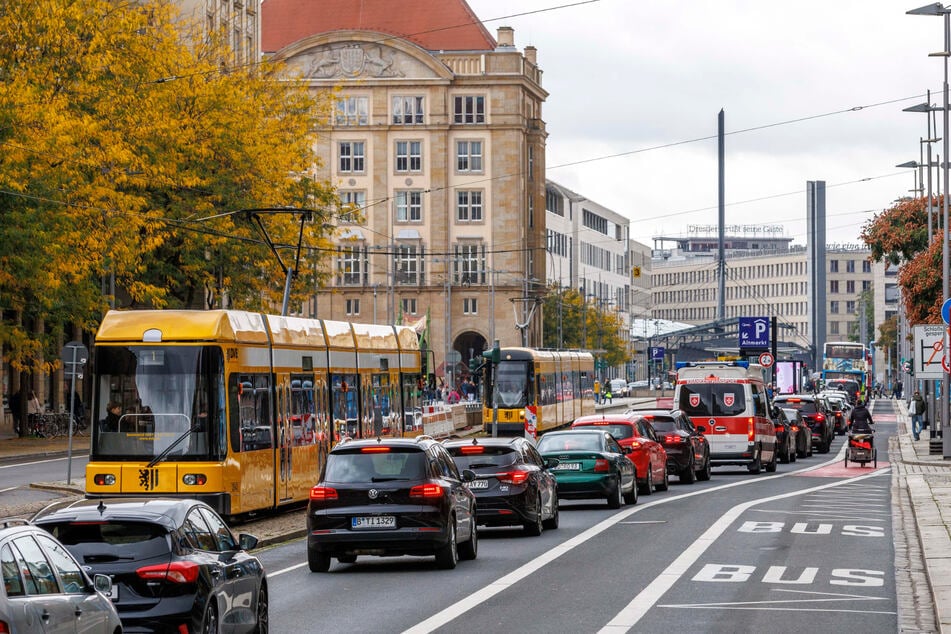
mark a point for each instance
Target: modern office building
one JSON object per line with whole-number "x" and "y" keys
{"x": 436, "y": 145}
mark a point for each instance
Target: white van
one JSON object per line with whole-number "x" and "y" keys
{"x": 727, "y": 401}
{"x": 618, "y": 387}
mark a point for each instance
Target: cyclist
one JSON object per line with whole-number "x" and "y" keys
{"x": 860, "y": 421}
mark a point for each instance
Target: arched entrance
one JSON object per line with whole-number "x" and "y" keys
{"x": 469, "y": 344}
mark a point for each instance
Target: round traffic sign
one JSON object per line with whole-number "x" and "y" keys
{"x": 946, "y": 311}
{"x": 766, "y": 359}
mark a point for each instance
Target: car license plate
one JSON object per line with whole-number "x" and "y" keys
{"x": 478, "y": 484}
{"x": 569, "y": 466}
{"x": 374, "y": 521}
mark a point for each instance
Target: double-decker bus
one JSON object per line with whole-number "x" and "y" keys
{"x": 558, "y": 383}
{"x": 238, "y": 409}
{"x": 846, "y": 360}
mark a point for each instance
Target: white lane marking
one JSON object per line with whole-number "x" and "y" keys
{"x": 645, "y": 522}
{"x": 9, "y": 489}
{"x": 283, "y": 570}
{"x": 25, "y": 464}
{"x": 782, "y": 609}
{"x": 826, "y": 598}
{"x": 480, "y": 596}
{"x": 648, "y": 597}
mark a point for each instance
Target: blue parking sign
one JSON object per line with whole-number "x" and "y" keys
{"x": 657, "y": 353}
{"x": 754, "y": 332}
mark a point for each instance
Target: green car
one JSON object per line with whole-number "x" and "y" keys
{"x": 591, "y": 464}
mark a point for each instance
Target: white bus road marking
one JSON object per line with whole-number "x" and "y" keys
{"x": 478, "y": 597}
{"x": 648, "y": 597}
{"x": 645, "y": 522}
{"x": 782, "y": 604}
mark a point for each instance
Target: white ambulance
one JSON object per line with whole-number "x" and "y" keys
{"x": 726, "y": 400}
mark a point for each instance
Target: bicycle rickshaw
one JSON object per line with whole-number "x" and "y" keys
{"x": 861, "y": 449}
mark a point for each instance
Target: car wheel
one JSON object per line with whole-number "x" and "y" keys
{"x": 470, "y": 549}
{"x": 648, "y": 488}
{"x": 448, "y": 556}
{"x": 705, "y": 472}
{"x": 771, "y": 465}
{"x": 664, "y": 484}
{"x": 552, "y": 522}
{"x": 209, "y": 622}
{"x": 347, "y": 559}
{"x": 262, "y": 612}
{"x": 793, "y": 454}
{"x": 755, "y": 466}
{"x": 689, "y": 475}
{"x": 631, "y": 496}
{"x": 784, "y": 457}
{"x": 318, "y": 561}
{"x": 615, "y": 499}
{"x": 534, "y": 527}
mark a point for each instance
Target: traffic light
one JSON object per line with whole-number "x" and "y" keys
{"x": 493, "y": 355}
{"x": 473, "y": 365}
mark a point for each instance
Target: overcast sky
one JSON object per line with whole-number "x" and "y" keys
{"x": 626, "y": 76}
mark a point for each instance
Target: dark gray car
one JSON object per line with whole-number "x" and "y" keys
{"x": 46, "y": 590}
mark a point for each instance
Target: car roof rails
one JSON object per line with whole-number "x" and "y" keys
{"x": 7, "y": 522}
{"x": 422, "y": 437}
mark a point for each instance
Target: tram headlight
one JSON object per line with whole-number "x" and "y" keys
{"x": 104, "y": 479}
{"x": 194, "y": 479}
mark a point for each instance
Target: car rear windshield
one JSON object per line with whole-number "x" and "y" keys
{"x": 712, "y": 399}
{"x": 620, "y": 432}
{"x": 806, "y": 407}
{"x": 105, "y": 541}
{"x": 380, "y": 466}
{"x": 663, "y": 424}
{"x": 485, "y": 458}
{"x": 569, "y": 442}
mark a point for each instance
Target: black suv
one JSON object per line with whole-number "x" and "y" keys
{"x": 813, "y": 414}
{"x": 513, "y": 483}
{"x": 688, "y": 450}
{"x": 391, "y": 497}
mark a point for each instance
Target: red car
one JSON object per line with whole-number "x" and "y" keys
{"x": 647, "y": 453}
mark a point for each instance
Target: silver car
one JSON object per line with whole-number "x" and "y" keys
{"x": 45, "y": 590}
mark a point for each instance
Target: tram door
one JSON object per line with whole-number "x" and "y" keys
{"x": 285, "y": 440}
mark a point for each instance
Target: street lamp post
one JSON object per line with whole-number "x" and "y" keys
{"x": 937, "y": 9}
{"x": 927, "y": 108}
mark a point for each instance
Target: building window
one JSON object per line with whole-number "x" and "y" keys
{"x": 470, "y": 306}
{"x": 833, "y": 266}
{"x": 353, "y": 306}
{"x": 469, "y": 206}
{"x": 468, "y": 109}
{"x": 531, "y": 163}
{"x": 409, "y": 156}
{"x": 352, "y": 204}
{"x": 352, "y": 155}
{"x": 834, "y": 286}
{"x": 833, "y": 327}
{"x": 409, "y": 206}
{"x": 834, "y": 307}
{"x": 409, "y": 306}
{"x": 352, "y": 266}
{"x": 850, "y": 307}
{"x": 469, "y": 156}
{"x": 469, "y": 264}
{"x": 866, "y": 266}
{"x": 407, "y": 110}
{"x": 866, "y": 284}
{"x": 850, "y": 286}
{"x": 850, "y": 266}
{"x": 408, "y": 264}
{"x": 352, "y": 111}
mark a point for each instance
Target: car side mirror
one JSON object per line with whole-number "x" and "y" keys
{"x": 247, "y": 542}
{"x": 701, "y": 429}
{"x": 102, "y": 584}
{"x": 468, "y": 475}
{"x": 626, "y": 450}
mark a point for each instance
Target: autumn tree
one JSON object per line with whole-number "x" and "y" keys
{"x": 899, "y": 235}
{"x": 585, "y": 325}
{"x": 128, "y": 146}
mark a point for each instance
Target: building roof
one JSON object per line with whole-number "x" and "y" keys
{"x": 446, "y": 25}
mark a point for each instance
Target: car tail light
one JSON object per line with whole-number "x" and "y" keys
{"x": 795, "y": 428}
{"x": 323, "y": 494}
{"x": 194, "y": 479}
{"x": 374, "y": 450}
{"x": 780, "y": 429}
{"x": 635, "y": 444}
{"x": 426, "y": 491}
{"x": 176, "y": 572}
{"x": 4, "y": 628}
{"x": 601, "y": 465}
{"x": 104, "y": 479}
{"x": 820, "y": 417}
{"x": 513, "y": 477}
{"x": 672, "y": 439}
{"x": 472, "y": 449}
{"x": 751, "y": 429}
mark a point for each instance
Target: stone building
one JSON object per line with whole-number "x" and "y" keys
{"x": 437, "y": 148}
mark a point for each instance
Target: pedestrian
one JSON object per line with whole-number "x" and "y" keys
{"x": 16, "y": 402}
{"x": 898, "y": 390}
{"x": 917, "y": 410}
{"x": 608, "y": 396}
{"x": 33, "y": 404}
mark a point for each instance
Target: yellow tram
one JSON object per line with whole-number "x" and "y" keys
{"x": 238, "y": 409}
{"x": 557, "y": 383}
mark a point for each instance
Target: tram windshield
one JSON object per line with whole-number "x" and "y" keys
{"x": 512, "y": 385}
{"x": 147, "y": 397}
